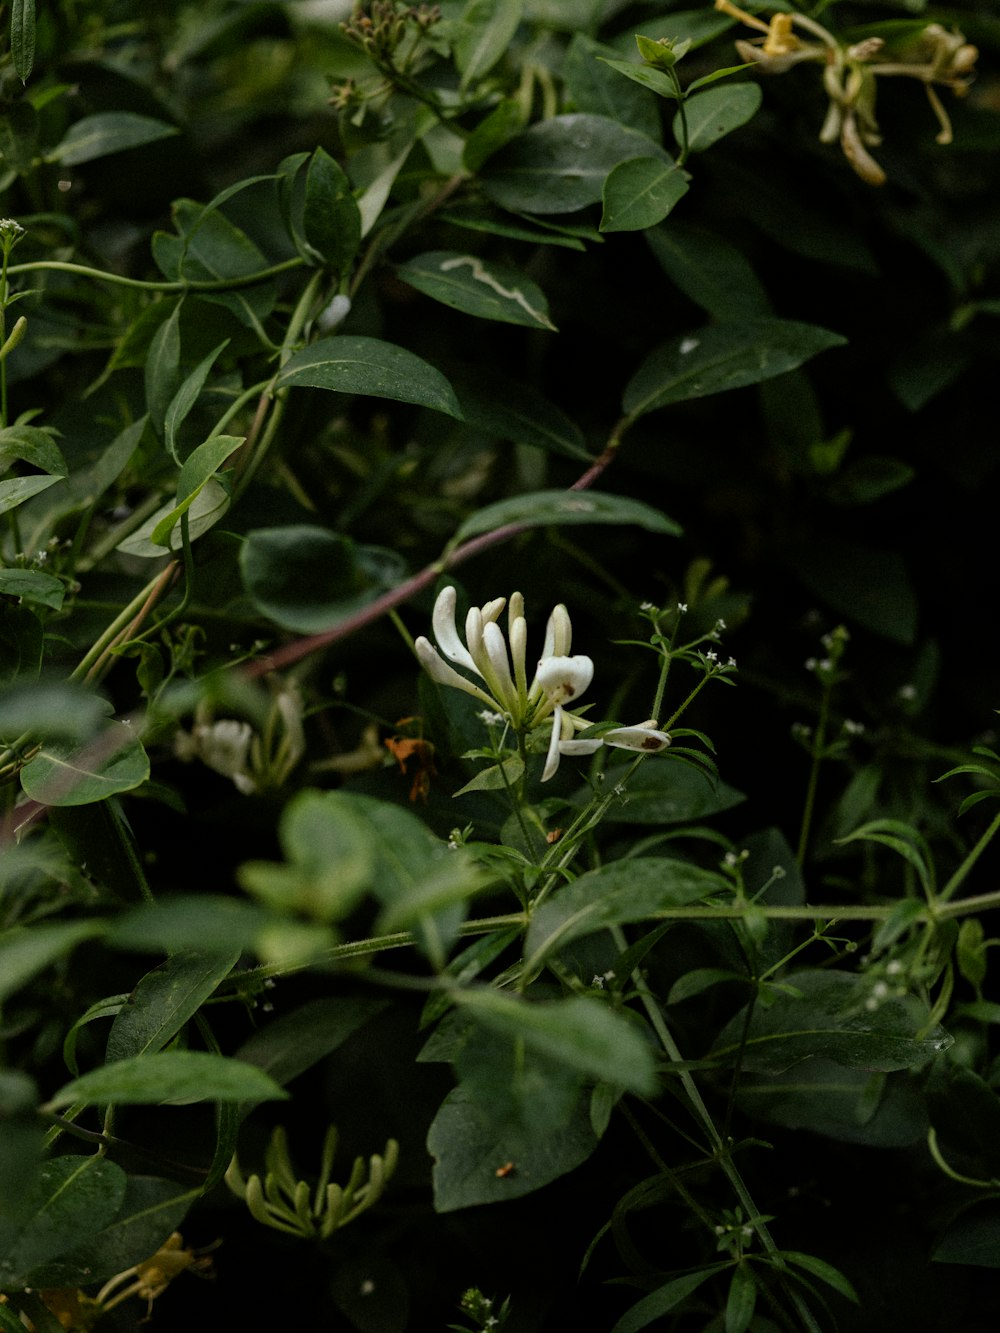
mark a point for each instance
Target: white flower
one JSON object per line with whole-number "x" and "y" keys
{"x": 500, "y": 664}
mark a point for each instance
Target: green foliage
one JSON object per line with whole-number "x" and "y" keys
{"x": 304, "y": 319}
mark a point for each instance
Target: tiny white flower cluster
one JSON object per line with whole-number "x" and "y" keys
{"x": 500, "y": 663}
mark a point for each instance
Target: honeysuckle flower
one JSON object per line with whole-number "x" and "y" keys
{"x": 936, "y": 58}
{"x": 499, "y": 676}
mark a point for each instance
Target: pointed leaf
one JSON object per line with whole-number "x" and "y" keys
{"x": 722, "y": 357}
{"x": 545, "y": 508}
{"x": 640, "y": 193}
{"x": 108, "y": 132}
{"x": 186, "y": 397}
{"x": 717, "y": 112}
{"x": 664, "y": 1299}
{"x": 370, "y": 366}
{"x": 331, "y": 217}
{"x": 476, "y": 287}
{"x": 114, "y": 762}
{"x": 482, "y": 35}
{"x": 175, "y": 1077}
{"x": 22, "y": 37}
{"x": 16, "y": 490}
{"x": 24, "y": 951}
{"x": 164, "y": 1000}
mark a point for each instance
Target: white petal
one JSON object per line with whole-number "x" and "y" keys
{"x": 637, "y": 738}
{"x": 564, "y": 678}
{"x": 518, "y": 653}
{"x": 580, "y": 747}
{"x": 500, "y": 679}
{"x": 558, "y": 633}
{"x": 439, "y": 670}
{"x": 445, "y": 632}
{"x": 552, "y": 758}
{"x": 491, "y": 610}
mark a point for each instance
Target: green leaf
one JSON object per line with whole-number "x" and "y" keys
{"x": 296, "y": 1041}
{"x": 742, "y": 1299}
{"x": 209, "y": 248}
{"x": 829, "y": 1017}
{"x": 175, "y": 1077}
{"x": 640, "y": 193}
{"x": 871, "y": 586}
{"x": 498, "y": 777}
{"x": 195, "y": 922}
{"x": 478, "y": 216}
{"x": 722, "y": 357}
{"x": 582, "y": 1033}
{"x": 476, "y": 287}
{"x": 709, "y": 271}
{"x": 504, "y": 122}
{"x": 73, "y": 1197}
{"x": 562, "y": 508}
{"x": 21, "y": 1136}
{"x": 331, "y": 217}
{"x": 635, "y": 889}
{"x": 372, "y": 367}
{"x": 16, "y": 490}
{"x": 664, "y": 1299}
{"x": 656, "y": 80}
{"x": 516, "y": 411}
{"x": 108, "y": 132}
{"x": 477, "y": 1160}
{"x": 973, "y": 1237}
{"x": 185, "y": 398}
{"x": 114, "y": 762}
{"x": 33, "y": 445}
{"x": 717, "y": 112}
{"x": 595, "y": 88}
{"x": 330, "y": 859}
{"x": 24, "y": 951}
{"x": 163, "y": 367}
{"x": 151, "y": 1209}
{"x": 33, "y": 586}
{"x": 482, "y": 35}
{"x": 308, "y": 579}
{"x": 560, "y": 165}
{"x": 668, "y": 792}
{"x": 204, "y": 509}
{"x": 22, "y": 37}
{"x": 821, "y": 1269}
{"x": 164, "y": 1000}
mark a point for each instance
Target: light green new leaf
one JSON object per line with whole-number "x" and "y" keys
{"x": 16, "y": 490}
{"x": 654, "y": 79}
{"x": 640, "y": 193}
{"x": 371, "y": 367}
{"x": 717, "y": 112}
{"x": 582, "y": 1033}
{"x": 483, "y": 33}
{"x": 722, "y": 357}
{"x": 164, "y": 1000}
{"x": 113, "y": 762}
{"x": 498, "y": 777}
{"x": 476, "y": 287}
{"x": 565, "y": 507}
{"x": 108, "y": 132}
{"x": 204, "y": 509}
{"x": 175, "y": 1077}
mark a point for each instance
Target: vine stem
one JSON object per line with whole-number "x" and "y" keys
{"x": 411, "y": 587}
{"x": 209, "y": 285}
{"x": 970, "y": 860}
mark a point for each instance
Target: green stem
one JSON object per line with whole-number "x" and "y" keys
{"x": 681, "y": 116}
{"x": 970, "y": 860}
{"x": 117, "y": 279}
{"x": 819, "y": 743}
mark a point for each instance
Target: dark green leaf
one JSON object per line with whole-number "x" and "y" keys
{"x": 722, "y": 357}
{"x": 830, "y": 1017}
{"x": 640, "y": 193}
{"x": 664, "y": 1299}
{"x": 331, "y": 218}
{"x": 742, "y": 1299}
{"x": 708, "y": 270}
{"x": 73, "y": 1196}
{"x": 502, "y": 124}
{"x": 477, "y": 1160}
{"x": 545, "y": 508}
{"x": 598, "y": 89}
{"x": 515, "y": 411}
{"x": 164, "y": 1000}
{"x": 483, "y": 32}
{"x": 308, "y": 579}
{"x": 668, "y": 792}
{"x": 16, "y": 490}
{"x": 717, "y": 112}
{"x": 22, "y": 37}
{"x": 185, "y": 398}
{"x": 369, "y": 366}
{"x": 973, "y": 1237}
{"x": 25, "y": 951}
{"x": 477, "y": 287}
{"x": 33, "y": 586}
{"x": 34, "y": 445}
{"x": 560, "y": 164}
{"x": 293, "y": 1043}
{"x": 620, "y": 892}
